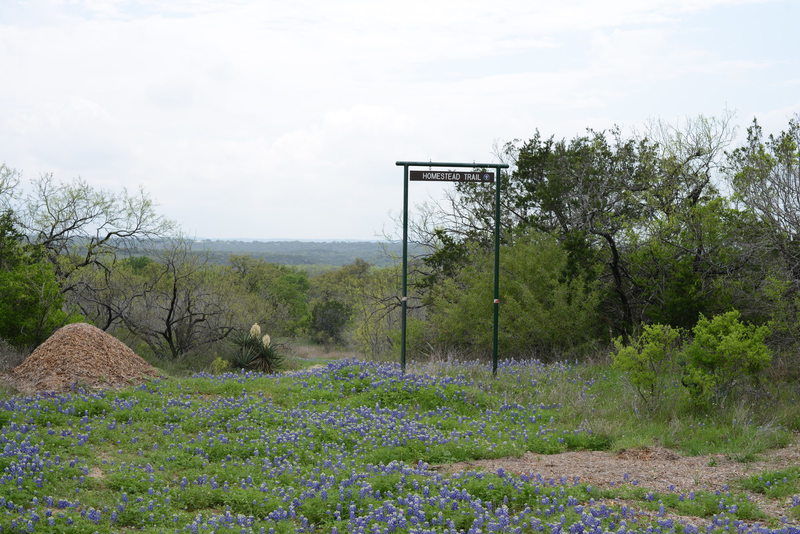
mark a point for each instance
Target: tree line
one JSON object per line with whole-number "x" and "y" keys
{"x": 603, "y": 234}
{"x": 70, "y": 252}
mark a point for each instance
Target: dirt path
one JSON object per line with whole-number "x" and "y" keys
{"x": 306, "y": 352}
{"x": 655, "y": 468}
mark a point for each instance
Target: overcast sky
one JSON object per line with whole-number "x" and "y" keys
{"x": 283, "y": 119}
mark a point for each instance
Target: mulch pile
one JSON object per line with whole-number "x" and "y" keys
{"x": 80, "y": 355}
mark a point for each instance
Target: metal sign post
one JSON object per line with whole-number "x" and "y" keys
{"x": 452, "y": 176}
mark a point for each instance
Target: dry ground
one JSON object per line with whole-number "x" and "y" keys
{"x": 314, "y": 352}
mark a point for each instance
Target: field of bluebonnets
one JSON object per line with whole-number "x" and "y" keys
{"x": 349, "y": 447}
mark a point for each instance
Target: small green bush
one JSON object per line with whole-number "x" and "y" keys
{"x": 219, "y": 366}
{"x": 650, "y": 362}
{"x": 723, "y": 354}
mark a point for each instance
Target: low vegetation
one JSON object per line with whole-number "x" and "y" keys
{"x": 352, "y": 447}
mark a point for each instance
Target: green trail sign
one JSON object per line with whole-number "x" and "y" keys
{"x": 478, "y": 174}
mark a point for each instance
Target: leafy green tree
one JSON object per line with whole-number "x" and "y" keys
{"x": 328, "y": 319}
{"x": 31, "y": 302}
{"x": 544, "y": 312}
{"x": 691, "y": 263}
{"x": 370, "y": 295}
{"x": 338, "y": 283}
{"x": 606, "y": 196}
{"x": 11, "y": 241}
{"x": 587, "y": 191}
{"x": 279, "y": 294}
{"x": 81, "y": 231}
{"x": 448, "y": 255}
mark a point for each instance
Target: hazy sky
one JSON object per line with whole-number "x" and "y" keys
{"x": 283, "y": 119}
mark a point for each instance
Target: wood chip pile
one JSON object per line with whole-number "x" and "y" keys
{"x": 80, "y": 355}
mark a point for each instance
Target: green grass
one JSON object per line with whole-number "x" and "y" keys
{"x": 265, "y": 441}
{"x": 774, "y": 484}
{"x": 694, "y": 504}
{"x": 598, "y": 398}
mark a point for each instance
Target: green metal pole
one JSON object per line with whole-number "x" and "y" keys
{"x": 496, "y": 317}
{"x": 404, "y": 296}
{"x": 404, "y": 299}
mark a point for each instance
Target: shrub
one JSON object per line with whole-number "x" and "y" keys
{"x": 650, "y": 362}
{"x": 723, "y": 354}
{"x": 219, "y": 366}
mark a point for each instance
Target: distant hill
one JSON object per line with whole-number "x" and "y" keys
{"x": 336, "y": 253}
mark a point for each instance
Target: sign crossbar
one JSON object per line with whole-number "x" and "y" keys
{"x": 452, "y": 177}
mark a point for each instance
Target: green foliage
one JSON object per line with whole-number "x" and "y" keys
{"x": 544, "y": 313}
{"x": 681, "y": 264}
{"x": 579, "y": 441}
{"x": 255, "y": 352}
{"x": 328, "y": 319}
{"x": 31, "y": 301}
{"x": 774, "y": 484}
{"x": 588, "y": 192}
{"x": 723, "y": 353}
{"x": 639, "y": 214}
{"x": 448, "y": 257}
{"x": 219, "y": 366}
{"x": 275, "y": 294}
{"x": 137, "y": 263}
{"x": 345, "y": 284}
{"x": 701, "y": 503}
{"x": 649, "y": 362}
{"x": 417, "y": 336}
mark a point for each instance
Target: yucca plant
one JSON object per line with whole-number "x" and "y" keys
{"x": 257, "y": 352}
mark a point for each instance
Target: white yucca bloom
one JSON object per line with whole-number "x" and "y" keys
{"x": 255, "y": 331}
{"x": 265, "y": 340}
